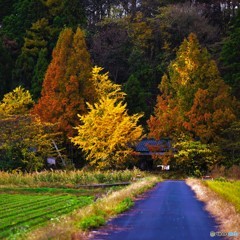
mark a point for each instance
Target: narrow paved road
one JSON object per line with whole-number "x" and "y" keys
{"x": 169, "y": 212}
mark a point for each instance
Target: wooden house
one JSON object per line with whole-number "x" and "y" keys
{"x": 148, "y": 150}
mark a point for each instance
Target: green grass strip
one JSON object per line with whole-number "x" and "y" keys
{"x": 124, "y": 205}
{"x": 46, "y": 190}
{"x": 230, "y": 191}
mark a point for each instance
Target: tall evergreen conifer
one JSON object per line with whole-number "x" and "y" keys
{"x": 230, "y": 57}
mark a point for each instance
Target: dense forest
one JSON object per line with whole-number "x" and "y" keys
{"x": 94, "y": 76}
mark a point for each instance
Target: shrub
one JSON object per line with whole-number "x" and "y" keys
{"x": 195, "y": 157}
{"x": 124, "y": 205}
{"x": 91, "y": 222}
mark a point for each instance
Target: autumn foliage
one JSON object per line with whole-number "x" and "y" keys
{"x": 19, "y": 101}
{"x": 167, "y": 120}
{"x": 107, "y": 132}
{"x": 25, "y": 141}
{"x": 194, "y": 100}
{"x": 66, "y": 85}
{"x": 212, "y": 112}
{"x": 104, "y": 86}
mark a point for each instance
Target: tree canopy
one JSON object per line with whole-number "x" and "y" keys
{"x": 230, "y": 57}
{"x": 25, "y": 141}
{"x": 174, "y": 62}
{"x": 107, "y": 132}
{"x": 194, "y": 96}
{"x": 19, "y": 101}
{"x": 67, "y": 85}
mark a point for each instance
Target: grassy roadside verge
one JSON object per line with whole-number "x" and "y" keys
{"x": 229, "y": 190}
{"x": 224, "y": 211}
{"x": 78, "y": 224}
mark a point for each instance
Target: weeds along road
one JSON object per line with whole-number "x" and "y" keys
{"x": 169, "y": 212}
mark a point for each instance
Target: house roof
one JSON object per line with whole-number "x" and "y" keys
{"x": 145, "y": 145}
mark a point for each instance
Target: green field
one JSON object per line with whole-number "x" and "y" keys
{"x": 20, "y": 213}
{"x": 229, "y": 190}
{"x": 30, "y": 200}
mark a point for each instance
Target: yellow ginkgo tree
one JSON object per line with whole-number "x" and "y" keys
{"x": 107, "y": 132}
{"x": 104, "y": 86}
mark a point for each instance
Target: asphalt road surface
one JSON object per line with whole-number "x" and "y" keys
{"x": 168, "y": 212}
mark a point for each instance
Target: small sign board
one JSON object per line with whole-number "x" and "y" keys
{"x": 51, "y": 161}
{"x": 164, "y": 167}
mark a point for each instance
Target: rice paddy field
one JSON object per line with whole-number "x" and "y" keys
{"x": 32, "y": 200}
{"x": 229, "y": 190}
{"x": 19, "y": 213}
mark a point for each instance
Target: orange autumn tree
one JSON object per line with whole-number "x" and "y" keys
{"x": 66, "y": 86}
{"x": 166, "y": 121}
{"x": 194, "y": 108}
{"x": 194, "y": 98}
{"x": 213, "y": 110}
